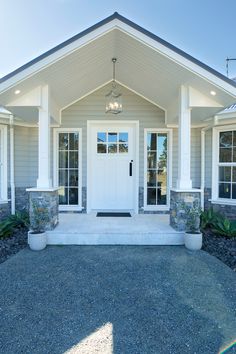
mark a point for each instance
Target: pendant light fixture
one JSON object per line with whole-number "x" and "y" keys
{"x": 113, "y": 98}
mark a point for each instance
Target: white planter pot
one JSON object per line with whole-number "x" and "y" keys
{"x": 37, "y": 241}
{"x": 193, "y": 242}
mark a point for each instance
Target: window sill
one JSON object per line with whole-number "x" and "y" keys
{"x": 156, "y": 208}
{"x": 70, "y": 208}
{"x": 3, "y": 201}
{"x": 223, "y": 202}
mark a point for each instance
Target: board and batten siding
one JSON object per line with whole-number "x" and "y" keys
{"x": 93, "y": 108}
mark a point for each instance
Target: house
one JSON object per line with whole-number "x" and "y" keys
{"x": 168, "y": 144}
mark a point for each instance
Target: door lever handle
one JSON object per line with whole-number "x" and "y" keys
{"x": 131, "y": 168}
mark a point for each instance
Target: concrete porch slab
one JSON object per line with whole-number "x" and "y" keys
{"x": 140, "y": 229}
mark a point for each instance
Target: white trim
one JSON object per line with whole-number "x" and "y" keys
{"x": 135, "y": 123}
{"x": 56, "y": 131}
{"x": 41, "y": 189}
{"x": 4, "y": 167}
{"x": 44, "y": 140}
{"x": 184, "y": 140}
{"x": 194, "y": 190}
{"x": 169, "y": 169}
{"x": 84, "y": 96}
{"x": 222, "y": 202}
{"x": 215, "y": 164}
{"x": 132, "y": 32}
{"x": 142, "y": 96}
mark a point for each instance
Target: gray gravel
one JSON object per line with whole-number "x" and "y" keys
{"x": 119, "y": 299}
{"x": 221, "y": 247}
{"x": 13, "y": 244}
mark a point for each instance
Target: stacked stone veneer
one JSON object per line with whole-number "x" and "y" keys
{"x": 177, "y": 213}
{"x": 22, "y": 202}
{"x": 225, "y": 209}
{"x": 48, "y": 202}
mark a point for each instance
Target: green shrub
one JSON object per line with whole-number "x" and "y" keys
{"x": 17, "y": 221}
{"x": 208, "y": 218}
{"x": 224, "y": 227}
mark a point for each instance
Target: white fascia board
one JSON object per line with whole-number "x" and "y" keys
{"x": 179, "y": 59}
{"x": 57, "y": 55}
{"x": 226, "y": 115}
{"x": 141, "y": 37}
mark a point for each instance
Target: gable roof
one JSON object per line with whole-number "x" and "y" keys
{"x": 123, "y": 19}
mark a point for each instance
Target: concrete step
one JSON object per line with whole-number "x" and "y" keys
{"x": 75, "y": 238}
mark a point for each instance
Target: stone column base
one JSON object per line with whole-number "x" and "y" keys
{"x": 177, "y": 213}
{"x": 43, "y": 205}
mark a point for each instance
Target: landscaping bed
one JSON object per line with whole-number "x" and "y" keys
{"x": 221, "y": 247}
{"x": 12, "y": 244}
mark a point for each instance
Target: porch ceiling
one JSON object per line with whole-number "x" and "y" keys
{"x": 140, "y": 67}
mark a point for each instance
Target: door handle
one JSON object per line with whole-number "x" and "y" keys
{"x": 131, "y": 168}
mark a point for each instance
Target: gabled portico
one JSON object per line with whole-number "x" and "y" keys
{"x": 58, "y": 89}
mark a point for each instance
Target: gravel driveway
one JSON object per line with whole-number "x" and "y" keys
{"x": 106, "y": 299}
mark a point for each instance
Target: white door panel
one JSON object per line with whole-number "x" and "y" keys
{"x": 112, "y": 187}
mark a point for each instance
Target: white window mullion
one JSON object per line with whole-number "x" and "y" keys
{"x": 216, "y": 164}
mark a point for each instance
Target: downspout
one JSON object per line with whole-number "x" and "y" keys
{"x": 12, "y": 166}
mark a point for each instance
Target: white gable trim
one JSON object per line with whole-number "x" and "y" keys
{"x": 129, "y": 30}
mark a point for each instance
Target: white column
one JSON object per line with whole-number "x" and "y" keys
{"x": 44, "y": 178}
{"x": 184, "y": 143}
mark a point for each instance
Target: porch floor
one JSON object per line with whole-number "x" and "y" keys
{"x": 140, "y": 229}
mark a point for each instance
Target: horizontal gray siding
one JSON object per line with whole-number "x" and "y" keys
{"x": 26, "y": 156}
{"x": 175, "y": 158}
{"x": 208, "y": 159}
{"x": 93, "y": 108}
{"x": 196, "y": 157}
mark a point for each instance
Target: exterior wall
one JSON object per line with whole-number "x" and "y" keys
{"x": 208, "y": 159}
{"x": 26, "y": 167}
{"x": 26, "y": 156}
{"x": 225, "y": 209}
{"x": 93, "y": 108}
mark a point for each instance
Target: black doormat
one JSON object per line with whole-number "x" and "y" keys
{"x": 114, "y": 214}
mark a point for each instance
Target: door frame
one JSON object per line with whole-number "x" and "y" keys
{"x": 169, "y": 132}
{"x": 56, "y": 132}
{"x": 135, "y": 123}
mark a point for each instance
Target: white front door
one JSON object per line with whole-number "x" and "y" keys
{"x": 112, "y": 167}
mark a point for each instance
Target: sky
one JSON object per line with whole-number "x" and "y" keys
{"x": 204, "y": 29}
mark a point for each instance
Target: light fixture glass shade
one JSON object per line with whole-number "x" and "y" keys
{"x": 113, "y": 102}
{"x": 113, "y": 98}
